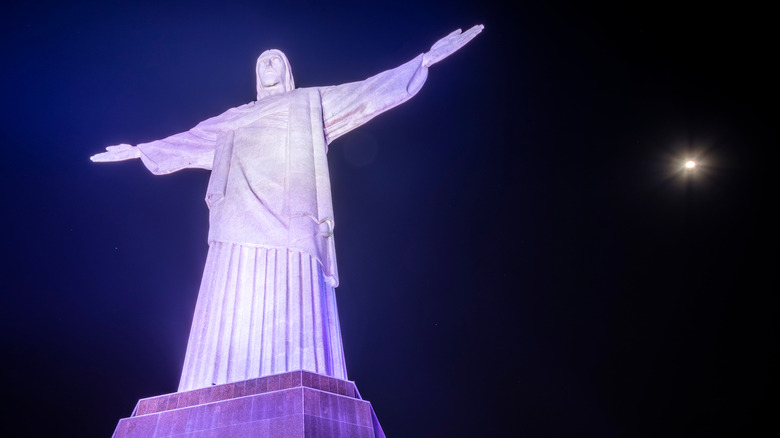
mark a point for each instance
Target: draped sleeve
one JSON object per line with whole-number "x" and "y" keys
{"x": 194, "y": 148}
{"x": 347, "y": 106}
{"x": 190, "y": 149}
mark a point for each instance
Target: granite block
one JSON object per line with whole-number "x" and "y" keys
{"x": 276, "y": 402}
{"x": 273, "y": 383}
{"x": 350, "y": 389}
{"x": 173, "y": 422}
{"x": 334, "y": 407}
{"x": 147, "y": 406}
{"x": 290, "y": 426}
{"x": 293, "y": 401}
{"x": 250, "y": 387}
{"x": 257, "y": 429}
{"x": 333, "y": 385}
{"x": 208, "y": 417}
{"x": 187, "y": 399}
{"x": 260, "y": 408}
{"x": 326, "y": 410}
{"x": 221, "y": 392}
{"x": 313, "y": 426}
{"x": 243, "y": 410}
{"x": 311, "y": 402}
{"x": 325, "y": 427}
{"x": 160, "y": 403}
{"x": 306, "y": 379}
{"x": 173, "y": 401}
{"x": 331, "y": 428}
{"x": 224, "y": 414}
{"x": 323, "y": 385}
{"x": 355, "y": 431}
{"x": 196, "y": 420}
{"x": 192, "y": 419}
{"x": 347, "y": 410}
{"x": 137, "y": 427}
{"x": 239, "y": 389}
{"x": 285, "y": 381}
{"x": 296, "y": 377}
{"x": 261, "y": 385}
{"x": 363, "y": 411}
{"x": 309, "y": 424}
{"x": 345, "y": 429}
{"x": 204, "y": 395}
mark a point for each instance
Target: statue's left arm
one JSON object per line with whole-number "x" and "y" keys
{"x": 345, "y": 107}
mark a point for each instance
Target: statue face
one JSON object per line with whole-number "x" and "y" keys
{"x": 273, "y": 74}
{"x": 271, "y": 70}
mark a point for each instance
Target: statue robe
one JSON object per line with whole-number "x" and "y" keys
{"x": 266, "y": 303}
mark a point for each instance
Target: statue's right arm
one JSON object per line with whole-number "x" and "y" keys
{"x": 190, "y": 149}
{"x": 119, "y": 152}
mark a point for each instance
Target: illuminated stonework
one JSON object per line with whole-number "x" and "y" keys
{"x": 267, "y": 302}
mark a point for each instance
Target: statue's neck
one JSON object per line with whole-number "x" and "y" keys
{"x": 277, "y": 88}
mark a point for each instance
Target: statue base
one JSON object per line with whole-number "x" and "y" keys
{"x": 296, "y": 404}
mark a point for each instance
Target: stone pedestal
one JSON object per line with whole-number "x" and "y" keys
{"x": 290, "y": 405}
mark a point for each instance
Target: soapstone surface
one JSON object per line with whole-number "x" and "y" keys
{"x": 266, "y": 303}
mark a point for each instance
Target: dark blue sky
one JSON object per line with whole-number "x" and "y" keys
{"x": 519, "y": 255}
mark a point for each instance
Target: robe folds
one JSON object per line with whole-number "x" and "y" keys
{"x": 271, "y": 226}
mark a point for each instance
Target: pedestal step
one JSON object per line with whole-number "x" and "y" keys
{"x": 290, "y": 405}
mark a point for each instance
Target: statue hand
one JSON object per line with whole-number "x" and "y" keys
{"x": 117, "y": 153}
{"x": 449, "y": 45}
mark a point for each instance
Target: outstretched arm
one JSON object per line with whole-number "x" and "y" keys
{"x": 193, "y": 148}
{"x": 119, "y": 152}
{"x": 347, "y": 106}
{"x": 190, "y": 149}
{"x": 450, "y": 44}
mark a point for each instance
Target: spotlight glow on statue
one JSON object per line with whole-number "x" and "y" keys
{"x": 267, "y": 303}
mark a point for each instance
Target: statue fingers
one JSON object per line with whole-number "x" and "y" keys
{"x": 470, "y": 34}
{"x": 446, "y": 40}
{"x": 464, "y": 39}
{"x": 119, "y": 147}
{"x": 117, "y": 153}
{"x": 454, "y": 32}
{"x": 476, "y": 28}
{"x": 453, "y": 42}
{"x": 101, "y": 157}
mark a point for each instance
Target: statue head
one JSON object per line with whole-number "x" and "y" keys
{"x": 273, "y": 74}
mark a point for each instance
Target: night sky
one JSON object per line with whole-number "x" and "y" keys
{"x": 520, "y": 252}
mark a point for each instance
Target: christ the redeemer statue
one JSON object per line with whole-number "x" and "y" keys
{"x": 267, "y": 303}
